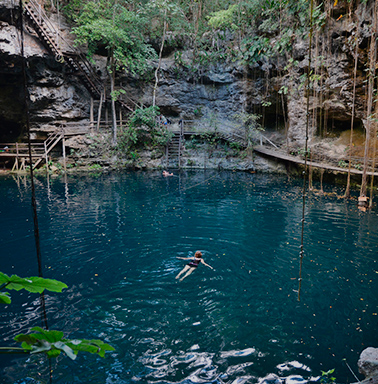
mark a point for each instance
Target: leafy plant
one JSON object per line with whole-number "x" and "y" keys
{"x": 327, "y": 377}
{"x": 236, "y": 146}
{"x": 49, "y": 342}
{"x": 31, "y": 284}
{"x": 144, "y": 117}
{"x": 116, "y": 94}
{"x": 52, "y": 343}
{"x": 134, "y": 155}
{"x": 109, "y": 24}
{"x": 250, "y": 123}
{"x": 95, "y": 167}
{"x": 283, "y": 90}
{"x": 302, "y": 152}
{"x": 224, "y": 18}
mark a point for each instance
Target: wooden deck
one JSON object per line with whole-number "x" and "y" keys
{"x": 296, "y": 160}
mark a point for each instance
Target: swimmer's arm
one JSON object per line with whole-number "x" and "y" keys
{"x": 184, "y": 258}
{"x": 207, "y": 265}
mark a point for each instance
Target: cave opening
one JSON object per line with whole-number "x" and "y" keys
{"x": 12, "y": 111}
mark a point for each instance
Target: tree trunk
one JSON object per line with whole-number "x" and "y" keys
{"x": 114, "y": 116}
{"x": 371, "y": 75}
{"x": 160, "y": 57}
{"x": 347, "y": 190}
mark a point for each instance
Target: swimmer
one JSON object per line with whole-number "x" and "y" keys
{"x": 165, "y": 174}
{"x": 192, "y": 265}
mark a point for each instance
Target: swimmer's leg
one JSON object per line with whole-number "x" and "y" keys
{"x": 184, "y": 270}
{"x": 191, "y": 269}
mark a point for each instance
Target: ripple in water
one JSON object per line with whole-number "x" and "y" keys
{"x": 115, "y": 241}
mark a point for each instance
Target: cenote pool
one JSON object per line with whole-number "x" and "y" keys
{"x": 114, "y": 240}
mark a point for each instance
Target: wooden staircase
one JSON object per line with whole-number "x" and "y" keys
{"x": 173, "y": 151}
{"x": 49, "y": 144}
{"x": 19, "y": 152}
{"x": 83, "y": 69}
{"x": 65, "y": 53}
{"x": 44, "y": 28}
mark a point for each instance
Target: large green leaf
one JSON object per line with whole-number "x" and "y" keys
{"x": 50, "y": 336}
{"x": 4, "y": 298}
{"x": 66, "y": 349}
{"x": 32, "y": 284}
{"x": 91, "y": 346}
{"x": 52, "y": 343}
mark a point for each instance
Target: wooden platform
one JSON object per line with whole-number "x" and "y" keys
{"x": 296, "y": 160}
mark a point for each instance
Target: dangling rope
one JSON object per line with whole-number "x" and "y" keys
{"x": 34, "y": 202}
{"x": 307, "y": 88}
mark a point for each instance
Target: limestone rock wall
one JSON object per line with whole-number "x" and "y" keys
{"x": 209, "y": 96}
{"x": 56, "y": 95}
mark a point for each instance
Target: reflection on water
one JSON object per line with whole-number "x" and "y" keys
{"x": 115, "y": 239}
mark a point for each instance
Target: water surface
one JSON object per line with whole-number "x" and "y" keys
{"x": 114, "y": 240}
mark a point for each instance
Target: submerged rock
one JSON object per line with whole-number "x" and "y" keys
{"x": 368, "y": 363}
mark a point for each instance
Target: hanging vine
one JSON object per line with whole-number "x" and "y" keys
{"x": 307, "y": 89}
{"x": 370, "y": 90}
{"x": 347, "y": 190}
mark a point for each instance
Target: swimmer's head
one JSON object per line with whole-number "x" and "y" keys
{"x": 198, "y": 254}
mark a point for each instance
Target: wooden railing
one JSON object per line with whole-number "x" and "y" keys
{"x": 60, "y": 48}
{"x": 63, "y": 51}
{"x": 19, "y": 152}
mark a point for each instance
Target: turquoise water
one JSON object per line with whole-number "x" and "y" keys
{"x": 114, "y": 240}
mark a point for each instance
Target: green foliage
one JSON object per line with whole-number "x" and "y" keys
{"x": 110, "y": 24}
{"x": 236, "y": 146}
{"x": 342, "y": 164}
{"x": 49, "y": 342}
{"x": 95, "y": 167}
{"x": 224, "y": 18}
{"x": 32, "y": 284}
{"x": 144, "y": 117}
{"x": 143, "y": 131}
{"x": 301, "y": 152}
{"x": 127, "y": 139}
{"x": 210, "y": 137}
{"x": 283, "y": 90}
{"x": 115, "y": 94}
{"x": 161, "y": 137}
{"x": 358, "y": 166}
{"x": 52, "y": 343}
{"x": 134, "y": 155}
{"x": 254, "y": 48}
{"x": 250, "y": 123}
{"x": 327, "y": 377}
{"x": 159, "y": 11}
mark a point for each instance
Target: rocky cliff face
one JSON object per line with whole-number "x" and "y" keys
{"x": 55, "y": 94}
{"x": 208, "y": 96}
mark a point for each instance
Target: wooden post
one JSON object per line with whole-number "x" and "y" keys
{"x": 99, "y": 112}
{"x": 91, "y": 114}
{"x": 179, "y": 152}
{"x": 47, "y": 159}
{"x": 64, "y": 153}
{"x": 16, "y": 162}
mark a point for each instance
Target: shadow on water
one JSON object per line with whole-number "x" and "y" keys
{"x": 115, "y": 239}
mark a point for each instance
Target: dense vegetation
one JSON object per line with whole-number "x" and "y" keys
{"x": 128, "y": 29}
{"x": 256, "y": 34}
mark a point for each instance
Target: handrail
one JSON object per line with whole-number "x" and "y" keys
{"x": 37, "y": 13}
{"x": 266, "y": 139}
{"x": 46, "y": 27}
